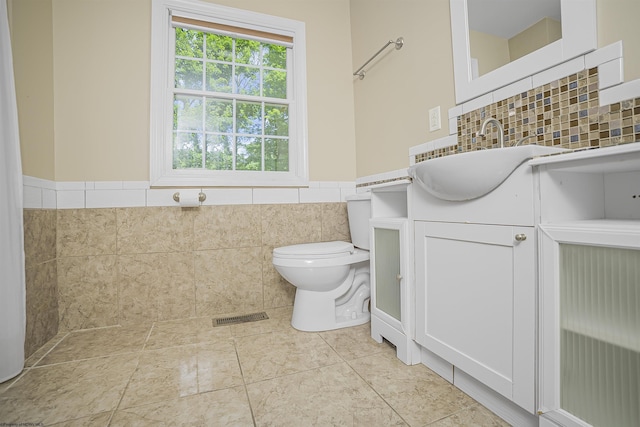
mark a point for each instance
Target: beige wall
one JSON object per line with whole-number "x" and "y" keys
{"x": 393, "y": 101}
{"x": 99, "y": 72}
{"x": 31, "y": 36}
{"x": 618, "y": 20}
{"x": 101, "y": 84}
{"x": 96, "y": 125}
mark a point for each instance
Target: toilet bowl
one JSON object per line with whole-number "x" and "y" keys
{"x": 332, "y": 278}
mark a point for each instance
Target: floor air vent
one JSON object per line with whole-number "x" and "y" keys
{"x": 222, "y": 321}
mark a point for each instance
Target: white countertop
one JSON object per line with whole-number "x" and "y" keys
{"x": 385, "y": 179}
{"x": 619, "y": 158}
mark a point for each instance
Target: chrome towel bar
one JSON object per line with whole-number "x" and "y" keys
{"x": 398, "y": 43}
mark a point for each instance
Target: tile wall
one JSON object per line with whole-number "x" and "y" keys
{"x": 563, "y": 113}
{"x": 41, "y": 277}
{"x": 101, "y": 267}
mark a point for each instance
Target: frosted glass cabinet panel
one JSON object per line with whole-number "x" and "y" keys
{"x": 387, "y": 271}
{"x": 391, "y": 293}
{"x": 600, "y": 334}
{"x": 590, "y": 323}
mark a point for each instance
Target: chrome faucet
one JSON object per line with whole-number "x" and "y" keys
{"x": 483, "y": 130}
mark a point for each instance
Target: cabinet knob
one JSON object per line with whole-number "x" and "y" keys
{"x": 521, "y": 237}
{"x": 399, "y": 277}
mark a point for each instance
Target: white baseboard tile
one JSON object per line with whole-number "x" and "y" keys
{"x": 38, "y": 198}
{"x": 558, "y": 72}
{"x": 604, "y": 54}
{"x": 610, "y": 74}
{"x": 319, "y": 195}
{"x": 275, "y": 196}
{"x": 621, "y": 92}
{"x": 346, "y": 192}
{"x": 49, "y": 199}
{"x": 160, "y": 197}
{"x": 32, "y": 197}
{"x": 45, "y": 194}
{"x": 32, "y": 181}
{"x": 513, "y": 89}
{"x": 113, "y": 198}
{"x": 38, "y": 193}
{"x": 453, "y": 126}
{"x": 72, "y": 185}
{"x": 70, "y": 199}
{"x": 103, "y": 185}
{"x": 135, "y": 185}
{"x": 228, "y": 196}
{"x": 474, "y": 104}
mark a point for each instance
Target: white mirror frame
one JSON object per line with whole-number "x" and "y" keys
{"x": 579, "y": 35}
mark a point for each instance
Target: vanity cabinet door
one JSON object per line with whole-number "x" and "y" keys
{"x": 392, "y": 297}
{"x": 389, "y": 272}
{"x": 590, "y": 323}
{"x": 475, "y": 290}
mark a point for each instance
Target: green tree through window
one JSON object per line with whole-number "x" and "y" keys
{"x": 230, "y": 103}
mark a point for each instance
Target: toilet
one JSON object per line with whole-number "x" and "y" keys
{"x": 332, "y": 278}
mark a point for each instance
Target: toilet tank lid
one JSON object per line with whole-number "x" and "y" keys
{"x": 314, "y": 249}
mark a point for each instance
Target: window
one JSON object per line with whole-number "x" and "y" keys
{"x": 228, "y": 97}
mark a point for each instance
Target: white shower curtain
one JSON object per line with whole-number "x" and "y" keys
{"x": 12, "y": 276}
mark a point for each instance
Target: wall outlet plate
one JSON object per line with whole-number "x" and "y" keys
{"x": 434, "y": 119}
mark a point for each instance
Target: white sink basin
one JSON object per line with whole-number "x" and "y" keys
{"x": 471, "y": 175}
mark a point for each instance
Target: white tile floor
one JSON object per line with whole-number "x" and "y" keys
{"x": 263, "y": 373}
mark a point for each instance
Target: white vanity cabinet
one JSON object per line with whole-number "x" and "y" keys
{"x": 589, "y": 349}
{"x": 392, "y": 295}
{"x": 475, "y": 274}
{"x": 476, "y": 284}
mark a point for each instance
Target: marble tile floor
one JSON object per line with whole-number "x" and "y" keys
{"x": 263, "y": 373}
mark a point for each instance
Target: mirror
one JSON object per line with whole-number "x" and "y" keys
{"x": 495, "y": 41}
{"x": 482, "y": 31}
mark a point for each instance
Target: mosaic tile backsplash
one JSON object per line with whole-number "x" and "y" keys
{"x": 563, "y": 113}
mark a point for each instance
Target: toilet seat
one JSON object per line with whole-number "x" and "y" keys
{"x": 344, "y": 258}
{"x": 322, "y": 250}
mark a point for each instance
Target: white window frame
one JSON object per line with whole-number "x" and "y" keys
{"x": 162, "y": 173}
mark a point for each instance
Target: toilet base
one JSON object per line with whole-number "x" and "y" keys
{"x": 310, "y": 315}
{"x": 317, "y": 311}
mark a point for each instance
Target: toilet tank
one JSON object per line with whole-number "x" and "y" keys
{"x": 359, "y": 212}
